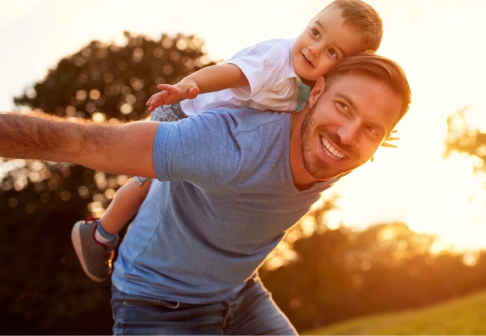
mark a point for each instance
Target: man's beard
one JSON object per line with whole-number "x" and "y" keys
{"x": 315, "y": 167}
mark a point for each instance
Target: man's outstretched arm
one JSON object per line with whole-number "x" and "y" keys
{"x": 119, "y": 149}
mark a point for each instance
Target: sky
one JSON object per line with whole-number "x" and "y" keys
{"x": 439, "y": 43}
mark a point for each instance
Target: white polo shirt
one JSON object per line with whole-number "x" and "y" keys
{"x": 274, "y": 85}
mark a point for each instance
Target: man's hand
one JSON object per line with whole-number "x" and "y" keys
{"x": 171, "y": 94}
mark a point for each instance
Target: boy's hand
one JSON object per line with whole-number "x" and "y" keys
{"x": 171, "y": 94}
{"x": 390, "y": 137}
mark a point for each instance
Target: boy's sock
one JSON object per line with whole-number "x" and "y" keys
{"x": 101, "y": 235}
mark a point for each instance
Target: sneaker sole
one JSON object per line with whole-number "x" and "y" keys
{"x": 75, "y": 237}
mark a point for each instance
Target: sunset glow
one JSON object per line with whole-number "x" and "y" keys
{"x": 439, "y": 43}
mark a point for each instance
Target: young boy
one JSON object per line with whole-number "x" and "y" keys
{"x": 274, "y": 75}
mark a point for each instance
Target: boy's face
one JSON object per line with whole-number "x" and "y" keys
{"x": 324, "y": 43}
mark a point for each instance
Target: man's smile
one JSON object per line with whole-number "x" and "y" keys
{"x": 331, "y": 151}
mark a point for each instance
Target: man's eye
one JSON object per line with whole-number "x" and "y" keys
{"x": 343, "y": 108}
{"x": 373, "y": 131}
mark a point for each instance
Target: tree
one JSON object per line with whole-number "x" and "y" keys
{"x": 42, "y": 288}
{"x": 344, "y": 273}
{"x": 463, "y": 136}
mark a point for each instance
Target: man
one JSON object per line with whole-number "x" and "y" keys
{"x": 229, "y": 184}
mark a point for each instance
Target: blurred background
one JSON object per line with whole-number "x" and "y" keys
{"x": 406, "y": 231}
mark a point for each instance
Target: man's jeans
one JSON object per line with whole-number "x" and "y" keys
{"x": 252, "y": 312}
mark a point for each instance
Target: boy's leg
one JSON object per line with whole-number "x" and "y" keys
{"x": 94, "y": 241}
{"x": 130, "y": 197}
{"x": 124, "y": 205}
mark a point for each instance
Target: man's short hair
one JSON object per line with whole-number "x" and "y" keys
{"x": 378, "y": 67}
{"x": 363, "y": 19}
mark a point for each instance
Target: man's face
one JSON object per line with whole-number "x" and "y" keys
{"x": 346, "y": 124}
{"x": 324, "y": 43}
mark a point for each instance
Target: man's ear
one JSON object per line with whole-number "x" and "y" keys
{"x": 317, "y": 90}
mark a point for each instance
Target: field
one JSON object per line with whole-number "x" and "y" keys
{"x": 463, "y": 316}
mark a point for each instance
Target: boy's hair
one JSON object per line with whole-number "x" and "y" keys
{"x": 375, "y": 66}
{"x": 364, "y": 19}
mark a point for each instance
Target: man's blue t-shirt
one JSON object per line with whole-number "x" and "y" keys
{"x": 223, "y": 200}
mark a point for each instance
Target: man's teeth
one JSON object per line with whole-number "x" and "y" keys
{"x": 333, "y": 152}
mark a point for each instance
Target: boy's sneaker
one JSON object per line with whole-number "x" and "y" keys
{"x": 95, "y": 258}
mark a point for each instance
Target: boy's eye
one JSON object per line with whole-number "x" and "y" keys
{"x": 314, "y": 32}
{"x": 332, "y": 52}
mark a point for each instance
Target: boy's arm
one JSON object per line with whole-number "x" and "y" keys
{"x": 119, "y": 149}
{"x": 210, "y": 79}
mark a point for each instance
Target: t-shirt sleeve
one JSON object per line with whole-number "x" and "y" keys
{"x": 200, "y": 150}
{"x": 264, "y": 65}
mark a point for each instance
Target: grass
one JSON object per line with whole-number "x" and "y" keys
{"x": 463, "y": 316}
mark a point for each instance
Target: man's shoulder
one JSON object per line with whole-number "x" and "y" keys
{"x": 246, "y": 120}
{"x": 242, "y": 139}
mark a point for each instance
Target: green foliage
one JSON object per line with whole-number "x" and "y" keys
{"x": 43, "y": 290}
{"x": 343, "y": 273}
{"x": 114, "y": 80}
{"x": 463, "y": 316}
{"x": 42, "y": 287}
{"x": 464, "y": 136}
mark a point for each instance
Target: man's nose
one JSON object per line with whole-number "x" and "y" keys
{"x": 349, "y": 133}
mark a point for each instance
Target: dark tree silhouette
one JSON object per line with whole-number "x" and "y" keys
{"x": 42, "y": 288}
{"x": 344, "y": 273}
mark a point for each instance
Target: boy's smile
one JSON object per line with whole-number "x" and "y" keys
{"x": 324, "y": 42}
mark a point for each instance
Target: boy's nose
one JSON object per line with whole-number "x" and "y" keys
{"x": 315, "y": 50}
